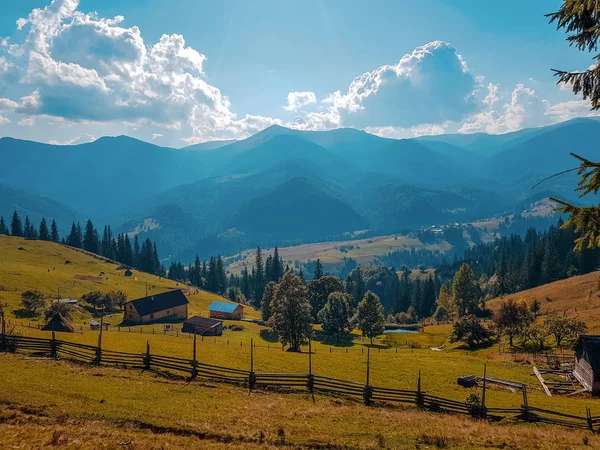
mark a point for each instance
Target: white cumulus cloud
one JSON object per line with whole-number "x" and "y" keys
{"x": 297, "y": 100}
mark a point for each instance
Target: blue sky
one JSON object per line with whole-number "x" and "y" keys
{"x": 188, "y": 71}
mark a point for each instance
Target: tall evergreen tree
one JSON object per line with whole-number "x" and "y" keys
{"x": 28, "y": 229}
{"x": 90, "y": 238}
{"x": 259, "y": 278}
{"x": 3, "y": 228}
{"x": 16, "y": 228}
{"x": 54, "y": 232}
{"x": 277, "y": 267}
{"x": 44, "y": 233}
{"x": 318, "y": 273}
{"x": 136, "y": 252}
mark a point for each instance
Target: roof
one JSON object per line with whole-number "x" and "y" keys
{"x": 589, "y": 349}
{"x": 59, "y": 323}
{"x": 223, "y": 307}
{"x": 201, "y": 323}
{"x": 94, "y": 323}
{"x": 159, "y": 302}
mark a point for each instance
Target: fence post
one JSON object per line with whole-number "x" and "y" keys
{"x": 310, "y": 381}
{"x": 368, "y": 390}
{"x": 483, "y": 408}
{"x": 53, "y": 352}
{"x": 589, "y": 419}
{"x": 195, "y": 361}
{"x": 420, "y": 400}
{"x": 252, "y": 375}
{"x": 525, "y": 405}
{"x": 147, "y": 359}
{"x": 3, "y": 348}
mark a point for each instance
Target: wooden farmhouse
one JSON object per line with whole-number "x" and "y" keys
{"x": 227, "y": 311}
{"x": 167, "y": 306}
{"x": 203, "y": 326}
{"x": 587, "y": 363}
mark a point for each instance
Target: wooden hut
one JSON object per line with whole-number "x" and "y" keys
{"x": 59, "y": 323}
{"x": 203, "y": 326}
{"x": 95, "y": 325}
{"x": 224, "y": 310}
{"x": 587, "y": 363}
{"x": 167, "y": 306}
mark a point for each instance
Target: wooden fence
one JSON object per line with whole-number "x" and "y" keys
{"x": 310, "y": 382}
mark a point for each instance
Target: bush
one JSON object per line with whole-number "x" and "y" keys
{"x": 469, "y": 330}
{"x": 33, "y": 301}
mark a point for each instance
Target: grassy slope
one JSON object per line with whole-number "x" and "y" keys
{"x": 41, "y": 265}
{"x": 577, "y": 296}
{"x": 57, "y": 404}
{"x": 29, "y": 269}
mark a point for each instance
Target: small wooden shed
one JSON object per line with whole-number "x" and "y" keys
{"x": 224, "y": 310}
{"x": 203, "y": 326}
{"x": 95, "y": 325}
{"x": 587, "y": 363}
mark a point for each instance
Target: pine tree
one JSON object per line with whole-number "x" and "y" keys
{"x": 16, "y": 229}
{"x": 581, "y": 21}
{"x": 90, "y": 238}
{"x": 44, "y": 234}
{"x": 3, "y": 228}
{"x": 27, "y": 229}
{"x": 54, "y": 232}
{"x": 155, "y": 258}
{"x": 136, "y": 252}
{"x": 277, "y": 266}
{"x": 318, "y": 273}
{"x": 259, "y": 278}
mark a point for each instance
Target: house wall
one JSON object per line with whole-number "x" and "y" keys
{"x": 177, "y": 313}
{"x": 130, "y": 314}
{"x": 236, "y": 315}
{"x": 585, "y": 374}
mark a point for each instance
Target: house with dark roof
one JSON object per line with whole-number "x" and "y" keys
{"x": 168, "y": 306}
{"x": 224, "y": 310}
{"x": 203, "y": 326}
{"x": 587, "y": 363}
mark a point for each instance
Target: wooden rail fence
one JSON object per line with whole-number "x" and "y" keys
{"x": 311, "y": 382}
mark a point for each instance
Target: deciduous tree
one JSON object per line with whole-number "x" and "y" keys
{"x": 291, "y": 312}
{"x": 336, "y": 315}
{"x": 369, "y": 317}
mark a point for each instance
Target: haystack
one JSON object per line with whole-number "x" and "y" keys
{"x": 59, "y": 323}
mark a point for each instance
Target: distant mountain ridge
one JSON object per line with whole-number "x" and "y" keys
{"x": 224, "y": 195}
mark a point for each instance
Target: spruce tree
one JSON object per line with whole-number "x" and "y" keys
{"x": 136, "y": 252}
{"x": 155, "y": 258}
{"x": 3, "y": 228}
{"x": 16, "y": 228}
{"x": 44, "y": 234}
{"x": 581, "y": 21}
{"x": 27, "y": 230}
{"x": 277, "y": 267}
{"x": 54, "y": 232}
{"x": 90, "y": 238}
{"x": 259, "y": 278}
{"x": 318, "y": 273}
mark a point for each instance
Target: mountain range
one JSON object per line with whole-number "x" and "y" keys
{"x": 284, "y": 186}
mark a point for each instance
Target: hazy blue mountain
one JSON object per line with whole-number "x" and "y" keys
{"x": 210, "y": 145}
{"x": 36, "y": 207}
{"x": 546, "y": 153}
{"x": 297, "y": 209}
{"x": 104, "y": 178}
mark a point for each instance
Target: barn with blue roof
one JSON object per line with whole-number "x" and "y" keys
{"x": 227, "y": 311}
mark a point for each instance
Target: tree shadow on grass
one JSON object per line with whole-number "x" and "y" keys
{"x": 22, "y": 313}
{"x": 269, "y": 336}
{"x": 344, "y": 340}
